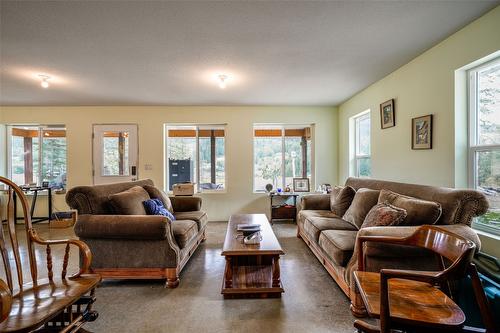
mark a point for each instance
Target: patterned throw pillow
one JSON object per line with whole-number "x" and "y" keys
{"x": 155, "y": 207}
{"x": 384, "y": 214}
{"x": 340, "y": 199}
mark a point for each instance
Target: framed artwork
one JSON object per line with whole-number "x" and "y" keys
{"x": 421, "y": 132}
{"x": 387, "y": 118}
{"x": 301, "y": 184}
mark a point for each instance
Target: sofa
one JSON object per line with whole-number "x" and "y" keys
{"x": 128, "y": 244}
{"x": 333, "y": 239}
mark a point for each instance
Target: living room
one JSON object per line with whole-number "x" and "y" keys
{"x": 318, "y": 91}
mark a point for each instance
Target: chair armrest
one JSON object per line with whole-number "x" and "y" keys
{"x": 186, "y": 204}
{"x": 315, "y": 202}
{"x": 5, "y": 300}
{"x": 154, "y": 227}
{"x": 423, "y": 276}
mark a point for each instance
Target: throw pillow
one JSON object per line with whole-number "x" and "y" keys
{"x": 419, "y": 211}
{"x": 340, "y": 199}
{"x": 363, "y": 201}
{"x": 129, "y": 202}
{"x": 155, "y": 207}
{"x": 384, "y": 214}
{"x": 156, "y": 193}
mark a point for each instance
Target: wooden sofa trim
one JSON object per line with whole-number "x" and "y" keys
{"x": 171, "y": 274}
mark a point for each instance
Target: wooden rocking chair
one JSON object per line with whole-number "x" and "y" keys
{"x": 420, "y": 301}
{"x": 51, "y": 304}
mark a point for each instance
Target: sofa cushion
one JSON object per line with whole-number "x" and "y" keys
{"x": 363, "y": 201}
{"x": 338, "y": 244}
{"x": 184, "y": 231}
{"x": 418, "y": 211}
{"x": 200, "y": 217}
{"x": 129, "y": 202}
{"x": 340, "y": 199}
{"x": 313, "y": 227}
{"x": 384, "y": 215}
{"x": 156, "y": 193}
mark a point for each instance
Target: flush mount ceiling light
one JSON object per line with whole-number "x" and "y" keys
{"x": 45, "y": 80}
{"x": 222, "y": 81}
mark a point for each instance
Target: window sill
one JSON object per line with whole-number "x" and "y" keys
{"x": 485, "y": 233}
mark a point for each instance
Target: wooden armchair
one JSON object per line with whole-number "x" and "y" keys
{"x": 420, "y": 301}
{"x": 52, "y": 304}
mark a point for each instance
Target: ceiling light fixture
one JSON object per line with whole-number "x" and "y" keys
{"x": 222, "y": 81}
{"x": 45, "y": 80}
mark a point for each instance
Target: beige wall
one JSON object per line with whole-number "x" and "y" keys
{"x": 239, "y": 146}
{"x": 425, "y": 85}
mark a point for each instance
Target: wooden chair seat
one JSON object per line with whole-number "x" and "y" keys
{"x": 412, "y": 303}
{"x": 36, "y": 305}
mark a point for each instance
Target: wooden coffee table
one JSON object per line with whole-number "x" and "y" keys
{"x": 251, "y": 270}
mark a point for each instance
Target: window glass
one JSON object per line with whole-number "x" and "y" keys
{"x": 362, "y": 158}
{"x": 31, "y": 164}
{"x": 115, "y": 154}
{"x": 185, "y": 144}
{"x": 281, "y": 153}
{"x": 488, "y": 99}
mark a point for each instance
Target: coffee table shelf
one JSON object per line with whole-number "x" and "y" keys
{"x": 252, "y": 271}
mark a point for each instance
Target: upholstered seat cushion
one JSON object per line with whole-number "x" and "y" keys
{"x": 184, "y": 231}
{"x": 314, "y": 226}
{"x": 308, "y": 214}
{"x": 338, "y": 244}
{"x": 200, "y": 217}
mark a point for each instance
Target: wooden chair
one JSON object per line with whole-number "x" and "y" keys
{"x": 420, "y": 301}
{"x": 52, "y": 304}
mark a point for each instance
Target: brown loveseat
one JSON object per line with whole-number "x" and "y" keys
{"x": 137, "y": 246}
{"x": 333, "y": 240}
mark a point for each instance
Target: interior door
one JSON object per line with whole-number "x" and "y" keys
{"x": 115, "y": 153}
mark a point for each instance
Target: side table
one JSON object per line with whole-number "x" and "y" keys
{"x": 283, "y": 206}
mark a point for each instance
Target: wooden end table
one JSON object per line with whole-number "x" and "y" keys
{"x": 252, "y": 271}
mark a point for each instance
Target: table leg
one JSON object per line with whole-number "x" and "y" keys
{"x": 33, "y": 203}
{"x": 228, "y": 274}
{"x": 276, "y": 272}
{"x": 50, "y": 203}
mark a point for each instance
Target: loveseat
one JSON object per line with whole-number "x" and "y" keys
{"x": 128, "y": 244}
{"x": 333, "y": 239}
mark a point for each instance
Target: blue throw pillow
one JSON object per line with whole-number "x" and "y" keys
{"x": 155, "y": 207}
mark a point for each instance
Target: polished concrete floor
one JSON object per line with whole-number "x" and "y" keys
{"x": 312, "y": 302}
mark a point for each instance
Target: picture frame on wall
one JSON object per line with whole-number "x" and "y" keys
{"x": 421, "y": 132}
{"x": 387, "y": 116}
{"x": 301, "y": 185}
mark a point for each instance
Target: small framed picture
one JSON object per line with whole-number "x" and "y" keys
{"x": 301, "y": 184}
{"x": 387, "y": 118}
{"x": 421, "y": 132}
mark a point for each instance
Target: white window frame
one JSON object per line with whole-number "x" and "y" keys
{"x": 354, "y": 128}
{"x": 40, "y": 129}
{"x": 282, "y": 127}
{"x": 197, "y": 153}
{"x": 473, "y": 146}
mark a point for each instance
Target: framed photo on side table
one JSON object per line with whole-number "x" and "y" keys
{"x": 387, "y": 118}
{"x": 301, "y": 184}
{"x": 421, "y": 132}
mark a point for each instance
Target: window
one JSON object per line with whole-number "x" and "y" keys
{"x": 484, "y": 140}
{"x": 196, "y": 154}
{"x": 361, "y": 145}
{"x": 281, "y": 153}
{"x": 37, "y": 154}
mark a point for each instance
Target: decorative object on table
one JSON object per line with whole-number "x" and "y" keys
{"x": 327, "y": 188}
{"x": 387, "y": 118}
{"x": 301, "y": 184}
{"x": 253, "y": 238}
{"x": 248, "y": 229}
{"x": 279, "y": 190}
{"x": 63, "y": 219}
{"x": 269, "y": 187}
{"x": 45, "y": 184}
{"x": 183, "y": 189}
{"x": 421, "y": 132}
{"x": 287, "y": 188}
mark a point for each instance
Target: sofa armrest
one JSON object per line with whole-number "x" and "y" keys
{"x": 315, "y": 202}
{"x": 154, "y": 227}
{"x": 373, "y": 249}
{"x": 186, "y": 204}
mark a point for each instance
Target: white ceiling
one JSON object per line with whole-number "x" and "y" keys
{"x": 166, "y": 53}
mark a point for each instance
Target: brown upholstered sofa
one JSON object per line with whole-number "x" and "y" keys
{"x": 333, "y": 240}
{"x": 137, "y": 246}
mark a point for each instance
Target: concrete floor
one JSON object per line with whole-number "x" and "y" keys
{"x": 312, "y": 302}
